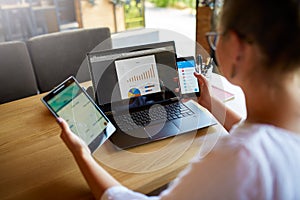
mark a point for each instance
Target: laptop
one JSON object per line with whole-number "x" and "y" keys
{"x": 135, "y": 87}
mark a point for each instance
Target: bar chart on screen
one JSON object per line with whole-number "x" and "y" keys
{"x": 137, "y": 76}
{"x": 145, "y": 75}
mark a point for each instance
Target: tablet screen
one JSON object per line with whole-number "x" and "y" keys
{"x": 84, "y": 118}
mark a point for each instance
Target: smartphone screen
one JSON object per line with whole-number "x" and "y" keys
{"x": 85, "y": 119}
{"x": 188, "y": 82}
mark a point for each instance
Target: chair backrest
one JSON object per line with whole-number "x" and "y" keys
{"x": 17, "y": 78}
{"x": 56, "y": 56}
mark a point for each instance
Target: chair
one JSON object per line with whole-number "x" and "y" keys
{"x": 17, "y": 78}
{"x": 56, "y": 56}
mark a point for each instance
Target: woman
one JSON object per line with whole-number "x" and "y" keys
{"x": 258, "y": 50}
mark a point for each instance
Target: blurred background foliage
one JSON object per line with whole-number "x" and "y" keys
{"x": 180, "y": 4}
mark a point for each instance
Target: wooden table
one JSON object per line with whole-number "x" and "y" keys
{"x": 35, "y": 163}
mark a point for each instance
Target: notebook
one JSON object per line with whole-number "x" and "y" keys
{"x": 135, "y": 87}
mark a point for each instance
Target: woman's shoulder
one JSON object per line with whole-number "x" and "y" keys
{"x": 257, "y": 134}
{"x": 255, "y": 142}
{"x": 246, "y": 141}
{"x": 242, "y": 160}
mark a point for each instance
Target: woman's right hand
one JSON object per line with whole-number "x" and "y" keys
{"x": 205, "y": 98}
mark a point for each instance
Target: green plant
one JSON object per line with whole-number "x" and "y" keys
{"x": 173, "y": 3}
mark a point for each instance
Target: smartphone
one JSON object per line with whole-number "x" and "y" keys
{"x": 71, "y": 102}
{"x": 186, "y": 67}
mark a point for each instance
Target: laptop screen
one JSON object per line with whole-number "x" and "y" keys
{"x": 134, "y": 76}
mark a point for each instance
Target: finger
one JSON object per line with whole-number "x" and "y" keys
{"x": 202, "y": 80}
{"x": 175, "y": 79}
{"x": 66, "y": 134}
{"x": 199, "y": 78}
{"x": 63, "y": 124}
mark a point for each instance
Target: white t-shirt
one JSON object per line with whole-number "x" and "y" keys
{"x": 256, "y": 161}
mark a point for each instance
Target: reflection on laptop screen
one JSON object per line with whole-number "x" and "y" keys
{"x": 135, "y": 76}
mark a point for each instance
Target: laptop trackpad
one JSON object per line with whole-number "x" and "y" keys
{"x": 159, "y": 131}
{"x": 188, "y": 123}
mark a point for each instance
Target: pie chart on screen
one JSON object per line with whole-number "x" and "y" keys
{"x": 134, "y": 92}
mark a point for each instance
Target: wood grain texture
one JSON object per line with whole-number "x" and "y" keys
{"x": 35, "y": 163}
{"x": 203, "y": 25}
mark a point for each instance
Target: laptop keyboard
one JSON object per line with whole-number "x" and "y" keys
{"x": 156, "y": 114}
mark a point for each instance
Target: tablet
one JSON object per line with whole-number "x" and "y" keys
{"x": 71, "y": 102}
